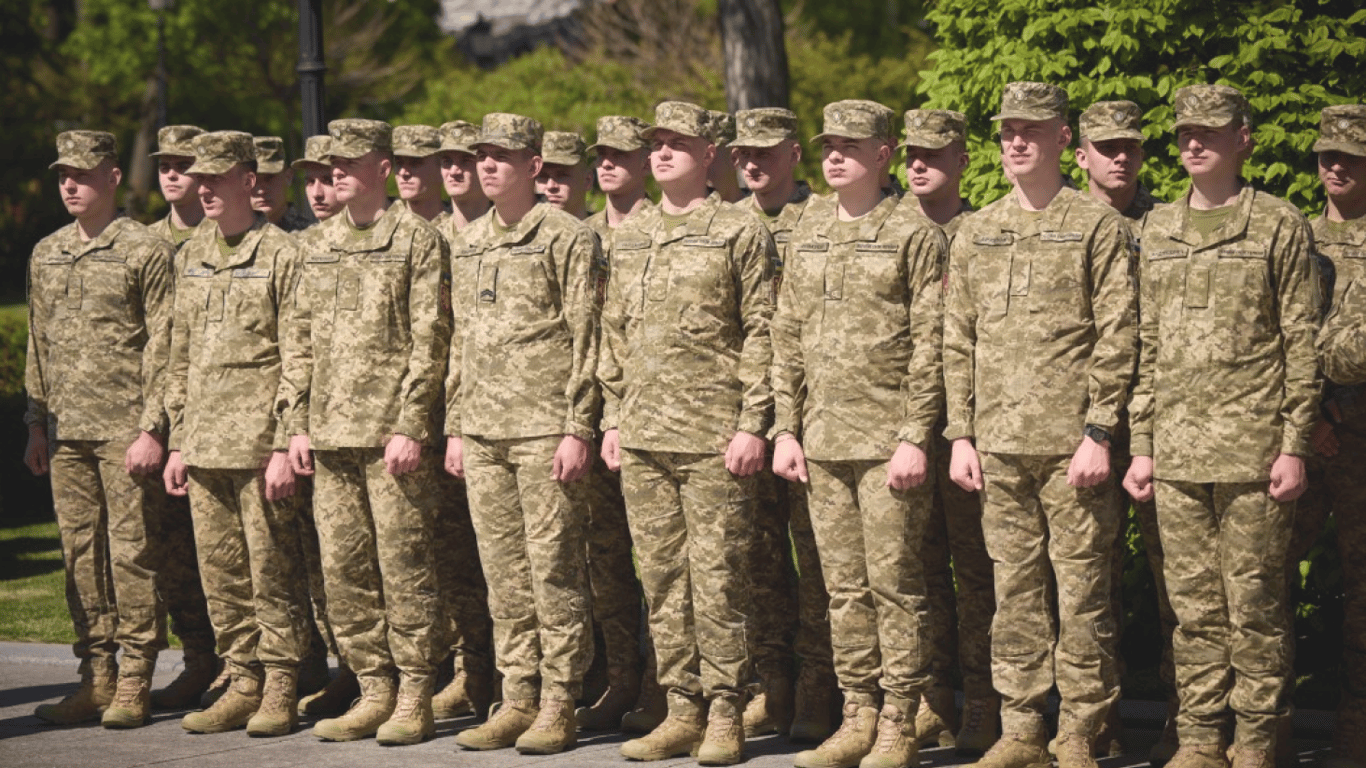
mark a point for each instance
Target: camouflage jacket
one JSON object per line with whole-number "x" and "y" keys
{"x": 857, "y": 333}
{"x": 1039, "y": 314}
{"x": 1227, "y": 379}
{"x": 163, "y": 229}
{"x": 375, "y": 328}
{"x": 685, "y": 337}
{"x": 524, "y": 354}
{"x": 1340, "y": 342}
{"x": 99, "y": 324}
{"x": 598, "y": 223}
{"x": 227, "y": 377}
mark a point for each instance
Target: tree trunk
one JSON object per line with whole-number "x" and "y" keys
{"x": 756, "y": 59}
{"x": 141, "y": 171}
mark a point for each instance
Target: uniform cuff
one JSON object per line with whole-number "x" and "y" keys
{"x": 1140, "y": 444}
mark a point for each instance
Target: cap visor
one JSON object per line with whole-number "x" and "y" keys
{"x": 349, "y": 154}
{"x": 926, "y": 142}
{"x": 565, "y": 160}
{"x": 1113, "y": 135}
{"x": 1334, "y": 145}
{"x": 1025, "y": 114}
{"x": 504, "y": 143}
{"x": 757, "y": 142}
{"x": 649, "y": 132}
{"x": 1202, "y": 122}
{"x": 273, "y": 166}
{"x": 211, "y": 167}
{"x": 820, "y": 136}
{"x": 171, "y": 154}
{"x": 300, "y": 165}
{"x": 76, "y": 162}
{"x": 620, "y": 146}
{"x": 415, "y": 152}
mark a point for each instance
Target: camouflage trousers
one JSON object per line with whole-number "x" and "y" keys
{"x": 247, "y": 558}
{"x": 108, "y": 522}
{"x": 690, "y": 521}
{"x": 178, "y": 577}
{"x": 530, "y": 531}
{"x": 868, "y": 535}
{"x": 375, "y": 539}
{"x": 1145, "y": 512}
{"x": 464, "y": 594}
{"x": 612, "y": 573}
{"x": 320, "y": 640}
{"x": 1038, "y": 529}
{"x": 960, "y": 620}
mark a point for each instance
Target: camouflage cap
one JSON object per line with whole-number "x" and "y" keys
{"x": 317, "y": 151}
{"x": 621, "y": 132}
{"x": 722, "y": 128}
{"x": 1108, "y": 120}
{"x": 1032, "y": 101}
{"x": 416, "y": 140}
{"x": 270, "y": 154}
{"x": 764, "y": 127}
{"x": 176, "y": 141}
{"x": 510, "y": 131}
{"x": 1210, "y": 106}
{"x": 857, "y": 119}
{"x": 1342, "y": 129}
{"x": 562, "y": 148}
{"x": 85, "y": 149}
{"x": 354, "y": 137}
{"x": 682, "y": 118}
{"x": 934, "y": 128}
{"x": 218, "y": 151}
{"x": 459, "y": 136}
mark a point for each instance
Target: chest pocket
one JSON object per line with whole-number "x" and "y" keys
{"x": 700, "y": 270}
{"x": 515, "y": 275}
{"x": 1050, "y": 274}
{"x": 1241, "y": 297}
{"x": 630, "y": 260}
{"x": 252, "y": 302}
{"x": 100, "y": 287}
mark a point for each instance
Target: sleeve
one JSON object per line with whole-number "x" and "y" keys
{"x": 178, "y": 366}
{"x": 1299, "y": 299}
{"x": 158, "y": 296}
{"x": 1114, "y": 301}
{"x": 789, "y": 367}
{"x": 292, "y": 390}
{"x": 296, "y": 367}
{"x": 1342, "y": 342}
{"x": 960, "y": 340}
{"x": 1141, "y": 401}
{"x": 577, "y": 275}
{"x": 34, "y": 380}
{"x": 923, "y": 383}
{"x": 454, "y": 362}
{"x": 755, "y": 252}
{"x": 429, "y": 317}
{"x": 611, "y": 348}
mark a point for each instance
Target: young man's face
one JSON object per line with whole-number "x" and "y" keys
{"x": 846, "y": 162}
{"x": 1112, "y": 164}
{"x": 765, "y": 168}
{"x": 929, "y": 171}
{"x": 223, "y": 192}
{"x": 356, "y": 177}
{"x": 459, "y": 175}
{"x": 268, "y": 196}
{"x": 620, "y": 170}
{"x": 175, "y": 185}
{"x": 1028, "y": 146}
{"x": 675, "y": 157}
{"x": 418, "y": 178}
{"x": 504, "y": 172}
{"x": 84, "y": 191}
{"x": 562, "y": 184}
{"x": 1212, "y": 151}
{"x": 1343, "y": 175}
{"x": 322, "y": 196}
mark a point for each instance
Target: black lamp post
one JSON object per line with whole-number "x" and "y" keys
{"x": 161, "y": 7}
{"x": 311, "y": 66}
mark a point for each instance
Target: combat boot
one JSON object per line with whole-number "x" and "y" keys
{"x": 412, "y": 721}
{"x": 552, "y": 732}
{"x": 1016, "y": 750}
{"x": 813, "y": 701}
{"x": 1074, "y": 750}
{"x": 1199, "y": 756}
{"x": 335, "y": 698}
{"x": 218, "y": 687}
{"x": 772, "y": 709}
{"x": 131, "y": 704}
{"x": 1242, "y": 756}
{"x": 896, "y": 745}
{"x": 99, "y": 680}
{"x": 196, "y": 675}
{"x": 680, "y": 734}
{"x": 466, "y": 694}
{"x": 363, "y": 719}
{"x": 623, "y": 688}
{"x": 1167, "y": 744}
{"x": 513, "y": 718}
{"x": 313, "y": 673}
{"x": 651, "y": 707}
{"x": 278, "y": 714}
{"x": 723, "y": 741}
{"x": 232, "y": 710}
{"x": 1349, "y": 735}
{"x": 981, "y": 726}
{"x": 848, "y": 746}
{"x": 936, "y": 721}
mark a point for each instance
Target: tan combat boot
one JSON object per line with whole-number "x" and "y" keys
{"x": 132, "y": 703}
{"x": 552, "y": 732}
{"x": 513, "y": 718}
{"x": 723, "y": 741}
{"x": 363, "y": 719}
{"x": 813, "y": 701}
{"x": 896, "y": 745}
{"x": 772, "y": 709}
{"x": 651, "y": 707}
{"x": 412, "y": 721}
{"x": 278, "y": 714}
{"x": 680, "y": 734}
{"x": 936, "y": 721}
{"x": 623, "y": 688}
{"x": 335, "y": 698}
{"x": 1349, "y": 735}
{"x": 218, "y": 687}
{"x": 1242, "y": 756}
{"x": 468, "y": 693}
{"x": 99, "y": 680}
{"x": 230, "y": 711}
{"x": 981, "y": 726}
{"x": 1199, "y": 756}
{"x": 196, "y": 675}
{"x": 848, "y": 746}
{"x": 1074, "y": 750}
{"x": 1016, "y": 750}
{"x": 1167, "y": 744}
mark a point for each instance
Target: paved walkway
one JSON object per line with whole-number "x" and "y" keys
{"x": 31, "y": 674}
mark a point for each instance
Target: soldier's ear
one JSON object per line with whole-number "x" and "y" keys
{"x": 796, "y": 151}
{"x": 115, "y": 176}
{"x": 536, "y": 164}
{"x": 386, "y": 167}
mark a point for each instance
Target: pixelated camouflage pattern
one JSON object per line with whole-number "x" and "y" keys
{"x": 270, "y": 154}
{"x": 460, "y": 580}
{"x": 85, "y": 149}
{"x": 621, "y": 132}
{"x": 934, "y": 128}
{"x": 176, "y": 140}
{"x": 1039, "y": 317}
{"x": 857, "y": 119}
{"x": 1342, "y": 128}
{"x": 416, "y": 140}
{"x": 99, "y": 311}
{"x": 177, "y": 579}
{"x": 1032, "y": 101}
{"x": 459, "y": 136}
{"x": 617, "y": 596}
{"x": 1210, "y": 106}
{"x": 218, "y": 151}
{"x": 1108, "y": 120}
{"x": 764, "y": 127}
{"x": 510, "y": 131}
{"x": 722, "y": 128}
{"x": 164, "y": 229}
{"x": 317, "y": 151}
{"x": 356, "y": 137}
{"x": 680, "y": 117}
{"x": 563, "y": 148}
{"x": 1342, "y": 342}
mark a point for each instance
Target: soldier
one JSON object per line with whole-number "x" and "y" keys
{"x": 565, "y": 177}
{"x": 174, "y": 155}
{"x": 317, "y": 170}
{"x": 458, "y": 174}
{"x": 960, "y": 624}
{"x": 418, "y": 169}
{"x": 374, "y": 324}
{"x": 1221, "y": 418}
{"x": 1039, "y": 348}
{"x": 99, "y": 322}
{"x": 622, "y": 165}
{"x": 684, "y": 372}
{"x": 857, "y": 389}
{"x": 235, "y": 290}
{"x": 721, "y": 175}
{"x": 273, "y": 178}
{"x": 519, "y": 399}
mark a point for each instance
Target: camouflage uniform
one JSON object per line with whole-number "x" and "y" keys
{"x": 1038, "y": 343}
{"x": 685, "y": 359}
{"x": 99, "y": 311}
{"x": 521, "y": 378}
{"x": 1228, "y": 325}
{"x": 270, "y": 158}
{"x": 174, "y": 141}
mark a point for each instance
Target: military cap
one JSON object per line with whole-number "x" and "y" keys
{"x": 1032, "y": 101}
{"x": 1210, "y": 106}
{"x": 857, "y": 119}
{"x": 510, "y": 131}
{"x": 722, "y": 128}
{"x": 934, "y": 128}
{"x": 354, "y": 137}
{"x": 764, "y": 127}
{"x": 682, "y": 118}
{"x": 620, "y": 132}
{"x": 270, "y": 154}
{"x": 1342, "y": 129}
{"x": 218, "y": 151}
{"x": 317, "y": 151}
{"x": 416, "y": 140}
{"x": 562, "y": 148}
{"x": 176, "y": 141}
{"x": 1107, "y": 120}
{"x": 84, "y": 149}
{"x": 459, "y": 136}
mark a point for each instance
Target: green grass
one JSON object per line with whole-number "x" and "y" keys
{"x": 32, "y": 598}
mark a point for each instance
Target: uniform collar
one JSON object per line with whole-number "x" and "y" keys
{"x": 1051, "y": 219}
{"x": 245, "y": 250}
{"x": 1232, "y": 227}
{"x": 73, "y": 245}
{"x": 698, "y": 222}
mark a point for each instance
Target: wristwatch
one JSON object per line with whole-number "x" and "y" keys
{"x": 1097, "y": 434}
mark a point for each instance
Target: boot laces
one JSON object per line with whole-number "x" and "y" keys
{"x": 127, "y": 692}
{"x": 888, "y": 733}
